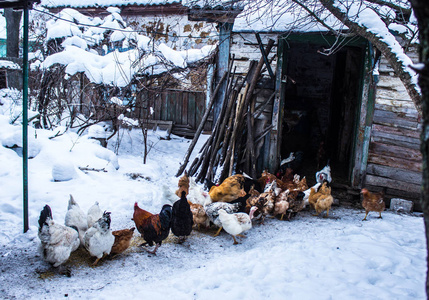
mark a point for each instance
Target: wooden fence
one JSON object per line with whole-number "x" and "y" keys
{"x": 184, "y": 108}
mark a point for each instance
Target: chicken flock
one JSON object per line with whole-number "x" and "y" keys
{"x": 234, "y": 205}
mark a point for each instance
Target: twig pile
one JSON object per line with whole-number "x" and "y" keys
{"x": 231, "y": 145}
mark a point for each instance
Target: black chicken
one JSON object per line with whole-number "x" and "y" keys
{"x": 182, "y": 218}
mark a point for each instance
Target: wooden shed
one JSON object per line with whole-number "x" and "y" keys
{"x": 333, "y": 107}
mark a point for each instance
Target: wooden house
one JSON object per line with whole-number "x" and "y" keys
{"x": 333, "y": 107}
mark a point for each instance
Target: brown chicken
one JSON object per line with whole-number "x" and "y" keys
{"x": 183, "y": 185}
{"x": 122, "y": 241}
{"x": 154, "y": 228}
{"x": 230, "y": 189}
{"x": 321, "y": 200}
{"x": 281, "y": 204}
{"x": 199, "y": 215}
{"x": 372, "y": 202}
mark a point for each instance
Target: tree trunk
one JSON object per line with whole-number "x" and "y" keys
{"x": 421, "y": 11}
{"x": 13, "y": 18}
{"x": 385, "y": 49}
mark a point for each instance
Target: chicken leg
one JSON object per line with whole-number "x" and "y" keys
{"x": 218, "y": 232}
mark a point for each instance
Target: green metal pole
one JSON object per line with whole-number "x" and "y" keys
{"x": 25, "y": 118}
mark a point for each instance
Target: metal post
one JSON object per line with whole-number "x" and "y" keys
{"x": 25, "y": 118}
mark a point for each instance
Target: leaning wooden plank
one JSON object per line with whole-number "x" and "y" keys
{"x": 394, "y": 115}
{"x": 395, "y": 151}
{"x": 394, "y": 173}
{"x": 200, "y": 127}
{"x": 390, "y": 183}
{"x": 395, "y": 162}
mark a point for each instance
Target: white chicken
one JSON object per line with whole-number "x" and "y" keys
{"x": 197, "y": 195}
{"x": 324, "y": 174}
{"x": 236, "y": 223}
{"x": 94, "y": 213}
{"x": 212, "y": 211}
{"x": 57, "y": 241}
{"x": 98, "y": 239}
{"x": 76, "y": 217}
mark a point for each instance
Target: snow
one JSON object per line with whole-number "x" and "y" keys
{"x": 116, "y": 68}
{"x": 340, "y": 257}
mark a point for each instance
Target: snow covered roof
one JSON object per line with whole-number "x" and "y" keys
{"x": 103, "y": 3}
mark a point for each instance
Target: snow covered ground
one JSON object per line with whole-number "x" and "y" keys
{"x": 310, "y": 257}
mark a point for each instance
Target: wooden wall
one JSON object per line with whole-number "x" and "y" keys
{"x": 394, "y": 159}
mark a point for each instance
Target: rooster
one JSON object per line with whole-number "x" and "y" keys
{"x": 372, "y": 202}
{"x": 57, "y": 241}
{"x": 181, "y": 218}
{"x": 324, "y": 174}
{"x": 154, "y": 228}
{"x": 98, "y": 239}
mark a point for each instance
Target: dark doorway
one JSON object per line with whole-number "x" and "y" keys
{"x": 321, "y": 104}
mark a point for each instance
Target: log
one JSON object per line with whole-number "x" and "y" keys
{"x": 200, "y": 128}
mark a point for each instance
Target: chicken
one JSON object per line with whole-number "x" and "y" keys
{"x": 230, "y": 189}
{"x": 308, "y": 192}
{"x": 76, "y": 217}
{"x": 296, "y": 203}
{"x": 322, "y": 199}
{"x": 212, "y": 211}
{"x": 98, "y": 239}
{"x": 196, "y": 194}
{"x": 324, "y": 174}
{"x": 183, "y": 185}
{"x": 94, "y": 213}
{"x": 199, "y": 215}
{"x": 281, "y": 204}
{"x": 57, "y": 241}
{"x": 324, "y": 203}
{"x": 372, "y": 202}
{"x": 154, "y": 228}
{"x": 324, "y": 189}
{"x": 122, "y": 241}
{"x": 236, "y": 223}
{"x": 181, "y": 218}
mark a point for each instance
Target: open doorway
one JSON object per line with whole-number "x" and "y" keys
{"x": 321, "y": 105}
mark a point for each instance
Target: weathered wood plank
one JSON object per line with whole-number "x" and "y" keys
{"x": 395, "y": 151}
{"x": 395, "y": 162}
{"x": 395, "y": 173}
{"x": 386, "y": 100}
{"x": 395, "y": 122}
{"x": 184, "y": 108}
{"x": 393, "y": 184}
{"x": 393, "y": 115}
{"x": 396, "y": 131}
{"x": 390, "y": 141}
{"x": 396, "y": 140}
{"x": 410, "y": 112}
{"x": 191, "y": 110}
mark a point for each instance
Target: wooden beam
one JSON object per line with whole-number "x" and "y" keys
{"x": 264, "y": 55}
